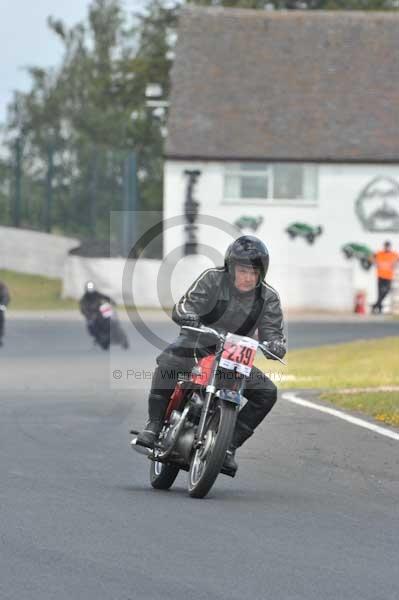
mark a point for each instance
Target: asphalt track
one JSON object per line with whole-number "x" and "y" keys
{"x": 312, "y": 514}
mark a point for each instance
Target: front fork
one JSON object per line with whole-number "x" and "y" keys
{"x": 210, "y": 390}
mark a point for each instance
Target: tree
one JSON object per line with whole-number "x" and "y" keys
{"x": 90, "y": 111}
{"x": 5, "y": 178}
{"x": 302, "y": 4}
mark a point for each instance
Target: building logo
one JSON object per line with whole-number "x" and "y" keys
{"x": 305, "y": 231}
{"x": 191, "y": 210}
{"x": 252, "y": 223}
{"x": 377, "y": 205}
{"x": 361, "y": 252}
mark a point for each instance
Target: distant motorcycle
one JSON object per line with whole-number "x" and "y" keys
{"x": 201, "y": 415}
{"x": 106, "y": 328}
{"x": 3, "y": 309}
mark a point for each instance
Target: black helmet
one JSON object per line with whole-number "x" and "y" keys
{"x": 247, "y": 250}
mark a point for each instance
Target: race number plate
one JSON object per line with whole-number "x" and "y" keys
{"x": 106, "y": 310}
{"x": 239, "y": 353}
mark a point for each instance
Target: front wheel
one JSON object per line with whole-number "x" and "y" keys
{"x": 103, "y": 341}
{"x": 162, "y": 475}
{"x": 366, "y": 263}
{"x": 208, "y": 460}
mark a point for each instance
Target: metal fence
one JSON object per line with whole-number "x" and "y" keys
{"x": 74, "y": 194}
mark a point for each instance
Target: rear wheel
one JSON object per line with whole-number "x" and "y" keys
{"x": 208, "y": 460}
{"x": 103, "y": 341}
{"x": 310, "y": 237}
{"x": 124, "y": 341}
{"x": 162, "y": 475}
{"x": 366, "y": 263}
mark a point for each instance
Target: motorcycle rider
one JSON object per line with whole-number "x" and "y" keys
{"x": 89, "y": 305}
{"x": 4, "y": 301}
{"x": 233, "y": 298}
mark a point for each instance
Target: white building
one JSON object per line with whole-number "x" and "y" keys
{"x": 290, "y": 118}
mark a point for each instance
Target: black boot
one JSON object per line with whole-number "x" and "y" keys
{"x": 156, "y": 410}
{"x": 148, "y": 436}
{"x": 241, "y": 433}
{"x": 230, "y": 465}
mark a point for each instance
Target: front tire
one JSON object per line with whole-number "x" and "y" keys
{"x": 208, "y": 460}
{"x": 162, "y": 475}
{"x": 103, "y": 341}
{"x": 366, "y": 263}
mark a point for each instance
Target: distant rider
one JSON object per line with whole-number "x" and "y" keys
{"x": 90, "y": 303}
{"x": 4, "y": 301}
{"x": 233, "y": 298}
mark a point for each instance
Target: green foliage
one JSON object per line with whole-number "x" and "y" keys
{"x": 5, "y": 180}
{"x": 89, "y": 112}
{"x": 301, "y": 4}
{"x": 357, "y": 5}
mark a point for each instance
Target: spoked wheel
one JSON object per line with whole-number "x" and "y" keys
{"x": 208, "y": 460}
{"x": 162, "y": 475}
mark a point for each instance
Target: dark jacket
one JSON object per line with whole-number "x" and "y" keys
{"x": 214, "y": 298}
{"x": 4, "y": 294}
{"x": 90, "y": 303}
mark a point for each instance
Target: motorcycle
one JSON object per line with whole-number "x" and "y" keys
{"x": 106, "y": 328}
{"x": 3, "y": 309}
{"x": 201, "y": 415}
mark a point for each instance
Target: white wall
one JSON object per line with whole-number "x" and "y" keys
{"x": 159, "y": 284}
{"x": 339, "y": 186}
{"x": 107, "y": 274}
{"x": 34, "y": 252}
{"x": 149, "y": 283}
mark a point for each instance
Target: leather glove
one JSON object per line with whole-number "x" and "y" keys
{"x": 276, "y": 347}
{"x": 190, "y": 319}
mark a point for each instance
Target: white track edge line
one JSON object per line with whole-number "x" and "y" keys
{"x": 341, "y": 415}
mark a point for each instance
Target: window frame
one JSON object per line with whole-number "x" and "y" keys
{"x": 234, "y": 169}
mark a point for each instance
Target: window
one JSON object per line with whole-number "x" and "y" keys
{"x": 270, "y": 182}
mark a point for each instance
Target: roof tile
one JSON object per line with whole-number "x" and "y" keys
{"x": 256, "y": 85}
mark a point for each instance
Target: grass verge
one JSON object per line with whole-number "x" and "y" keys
{"x": 33, "y": 292}
{"x": 383, "y": 406}
{"x": 345, "y": 373}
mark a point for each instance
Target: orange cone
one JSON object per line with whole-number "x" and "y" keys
{"x": 360, "y": 303}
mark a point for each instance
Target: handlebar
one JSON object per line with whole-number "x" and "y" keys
{"x": 204, "y": 329}
{"x": 267, "y": 353}
{"x": 221, "y": 337}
